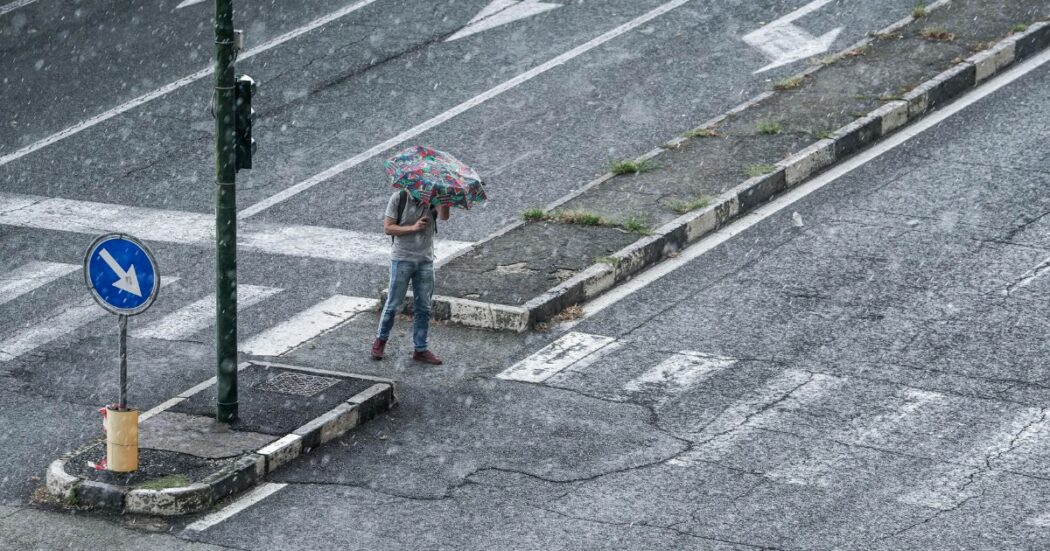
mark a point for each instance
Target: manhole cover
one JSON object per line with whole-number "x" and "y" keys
{"x": 297, "y": 383}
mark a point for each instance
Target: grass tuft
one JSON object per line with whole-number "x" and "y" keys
{"x": 823, "y": 134}
{"x": 610, "y": 260}
{"x": 636, "y": 225}
{"x": 1019, "y": 28}
{"x": 696, "y": 203}
{"x": 534, "y": 215}
{"x": 701, "y": 133}
{"x": 165, "y": 482}
{"x": 770, "y": 128}
{"x": 632, "y": 167}
{"x": 939, "y": 34}
{"x": 919, "y": 11}
{"x": 759, "y": 170}
{"x": 792, "y": 83}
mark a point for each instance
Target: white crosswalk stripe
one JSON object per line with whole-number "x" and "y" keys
{"x": 64, "y": 320}
{"x": 308, "y": 324}
{"x": 198, "y": 229}
{"x": 31, "y": 276}
{"x": 677, "y": 373}
{"x": 568, "y": 350}
{"x": 199, "y": 315}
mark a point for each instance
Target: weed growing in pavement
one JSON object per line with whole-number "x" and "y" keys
{"x": 759, "y": 170}
{"x": 570, "y": 313}
{"x": 696, "y": 203}
{"x": 636, "y": 225}
{"x": 886, "y": 36}
{"x": 770, "y": 128}
{"x": 534, "y": 215}
{"x": 610, "y": 260}
{"x": 823, "y": 134}
{"x": 792, "y": 83}
{"x": 632, "y": 167}
{"x": 859, "y": 51}
{"x": 579, "y": 218}
{"x": 701, "y": 133}
{"x": 1019, "y": 28}
{"x": 165, "y": 482}
{"x": 939, "y": 34}
{"x": 824, "y": 61}
{"x": 919, "y": 11}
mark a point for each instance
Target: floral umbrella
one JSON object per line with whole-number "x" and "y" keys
{"x": 435, "y": 177}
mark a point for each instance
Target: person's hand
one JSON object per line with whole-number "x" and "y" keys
{"x": 421, "y": 224}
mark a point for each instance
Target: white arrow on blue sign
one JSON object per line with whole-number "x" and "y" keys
{"x": 121, "y": 273}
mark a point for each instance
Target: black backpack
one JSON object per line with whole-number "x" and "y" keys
{"x": 402, "y": 202}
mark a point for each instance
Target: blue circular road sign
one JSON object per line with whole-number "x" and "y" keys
{"x": 121, "y": 274}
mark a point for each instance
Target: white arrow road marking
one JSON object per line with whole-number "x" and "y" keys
{"x": 783, "y": 43}
{"x": 188, "y": 3}
{"x": 126, "y": 281}
{"x": 67, "y": 318}
{"x": 30, "y": 276}
{"x": 501, "y": 12}
{"x": 308, "y": 324}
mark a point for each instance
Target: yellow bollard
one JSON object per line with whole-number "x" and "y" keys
{"x": 122, "y": 440}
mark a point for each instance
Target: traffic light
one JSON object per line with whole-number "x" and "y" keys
{"x": 243, "y": 89}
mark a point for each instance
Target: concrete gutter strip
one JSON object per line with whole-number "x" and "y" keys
{"x": 755, "y": 191}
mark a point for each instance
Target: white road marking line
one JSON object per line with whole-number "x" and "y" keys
{"x": 30, "y": 276}
{"x": 186, "y": 3}
{"x": 678, "y": 373}
{"x": 186, "y": 321}
{"x": 457, "y": 110}
{"x": 556, "y": 356}
{"x": 66, "y": 319}
{"x": 792, "y": 389}
{"x": 501, "y": 12}
{"x": 247, "y": 500}
{"x": 745, "y": 222}
{"x": 308, "y": 324}
{"x": 190, "y": 228}
{"x": 783, "y": 43}
{"x": 816, "y": 469}
{"x": 1028, "y": 277}
{"x": 172, "y": 86}
{"x": 948, "y": 485}
{"x": 7, "y": 8}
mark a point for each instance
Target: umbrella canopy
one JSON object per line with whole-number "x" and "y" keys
{"x": 435, "y": 177}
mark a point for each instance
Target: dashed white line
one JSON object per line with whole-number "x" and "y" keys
{"x": 7, "y": 8}
{"x": 247, "y": 500}
{"x": 194, "y": 317}
{"x": 31, "y": 276}
{"x": 556, "y": 356}
{"x": 677, "y": 373}
{"x": 308, "y": 324}
{"x": 175, "y": 85}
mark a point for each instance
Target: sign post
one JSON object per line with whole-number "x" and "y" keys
{"x": 122, "y": 276}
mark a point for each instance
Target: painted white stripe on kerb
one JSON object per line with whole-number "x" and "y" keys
{"x": 30, "y": 276}
{"x": 457, "y": 110}
{"x": 190, "y": 228}
{"x": 7, "y": 8}
{"x": 742, "y": 224}
{"x": 556, "y": 356}
{"x": 65, "y": 320}
{"x": 186, "y": 321}
{"x": 172, "y": 86}
{"x": 308, "y": 324}
{"x": 251, "y": 498}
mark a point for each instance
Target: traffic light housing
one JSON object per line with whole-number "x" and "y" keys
{"x": 243, "y": 88}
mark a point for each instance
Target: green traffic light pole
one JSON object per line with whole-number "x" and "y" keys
{"x": 225, "y": 215}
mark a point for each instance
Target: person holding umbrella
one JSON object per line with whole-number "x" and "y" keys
{"x": 428, "y": 183}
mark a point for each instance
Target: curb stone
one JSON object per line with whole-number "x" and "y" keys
{"x": 246, "y": 472}
{"x": 647, "y": 251}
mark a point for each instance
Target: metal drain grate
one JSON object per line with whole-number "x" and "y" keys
{"x": 297, "y": 383}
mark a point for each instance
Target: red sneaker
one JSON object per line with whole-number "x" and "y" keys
{"x": 378, "y": 346}
{"x": 426, "y": 357}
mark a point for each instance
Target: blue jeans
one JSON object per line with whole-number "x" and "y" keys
{"x": 421, "y": 274}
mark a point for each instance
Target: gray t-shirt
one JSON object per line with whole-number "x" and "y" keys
{"x": 418, "y": 246}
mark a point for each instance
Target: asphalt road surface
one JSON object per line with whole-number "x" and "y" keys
{"x": 862, "y": 377}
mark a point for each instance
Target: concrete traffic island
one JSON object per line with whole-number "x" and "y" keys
{"x": 588, "y": 242}
{"x": 188, "y": 461}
